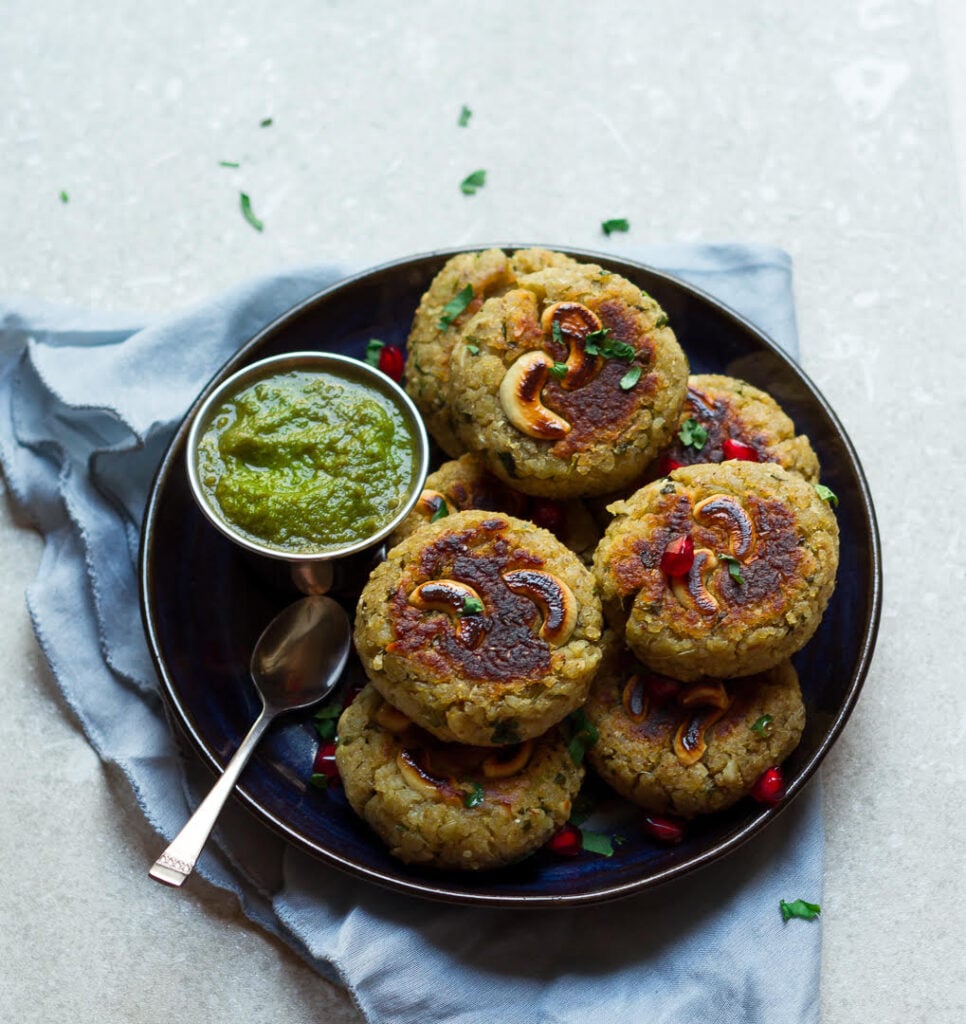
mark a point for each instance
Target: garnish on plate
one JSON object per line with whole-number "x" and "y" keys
{"x": 473, "y": 182}
{"x": 465, "y": 115}
{"x": 248, "y": 213}
{"x": 799, "y": 908}
{"x": 692, "y": 434}
{"x": 615, "y": 224}
{"x": 827, "y": 494}
{"x": 456, "y": 305}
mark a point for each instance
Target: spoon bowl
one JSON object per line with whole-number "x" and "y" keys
{"x": 296, "y": 663}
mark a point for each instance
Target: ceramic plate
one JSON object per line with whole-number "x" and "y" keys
{"x": 205, "y": 602}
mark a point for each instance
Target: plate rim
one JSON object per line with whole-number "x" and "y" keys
{"x": 437, "y": 890}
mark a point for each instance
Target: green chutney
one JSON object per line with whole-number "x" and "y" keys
{"x": 307, "y": 461}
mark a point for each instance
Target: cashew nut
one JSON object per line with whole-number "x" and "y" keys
{"x": 725, "y": 510}
{"x": 692, "y": 590}
{"x": 574, "y": 322}
{"x": 509, "y": 761}
{"x": 520, "y": 397}
{"x": 634, "y": 699}
{"x": 554, "y": 599}
{"x": 689, "y": 742}
{"x": 421, "y": 781}
{"x": 451, "y": 597}
{"x": 430, "y": 502}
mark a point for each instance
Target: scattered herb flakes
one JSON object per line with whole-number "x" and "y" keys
{"x": 662, "y": 321}
{"x": 373, "y": 349}
{"x": 441, "y": 513}
{"x": 557, "y": 332}
{"x": 598, "y": 343}
{"x": 64, "y": 197}
{"x": 582, "y": 808}
{"x": 266, "y": 122}
{"x": 615, "y": 224}
{"x": 597, "y": 842}
{"x": 761, "y": 725}
{"x": 465, "y": 115}
{"x": 475, "y": 796}
{"x": 827, "y": 494}
{"x": 326, "y": 719}
{"x": 472, "y": 606}
{"x": 318, "y": 780}
{"x": 472, "y": 182}
{"x": 455, "y": 306}
{"x": 249, "y": 214}
{"x": 734, "y": 567}
{"x": 473, "y": 349}
{"x": 228, "y": 163}
{"x": 558, "y": 370}
{"x": 692, "y": 434}
{"x": 799, "y": 908}
{"x": 583, "y": 735}
{"x": 630, "y": 378}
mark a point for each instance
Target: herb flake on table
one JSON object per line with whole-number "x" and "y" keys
{"x": 228, "y": 163}
{"x": 319, "y": 780}
{"x": 373, "y": 349}
{"x": 465, "y": 115}
{"x": 597, "y": 842}
{"x": 472, "y": 182}
{"x": 455, "y": 306}
{"x": 615, "y": 224}
{"x": 249, "y": 214}
{"x": 64, "y": 197}
{"x": 266, "y": 122}
{"x": 799, "y": 908}
{"x": 325, "y": 720}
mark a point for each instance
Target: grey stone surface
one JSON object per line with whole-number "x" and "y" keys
{"x": 829, "y": 128}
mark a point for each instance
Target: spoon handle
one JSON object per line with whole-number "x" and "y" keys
{"x": 178, "y": 860}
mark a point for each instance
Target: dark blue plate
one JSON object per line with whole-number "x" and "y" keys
{"x": 205, "y": 602}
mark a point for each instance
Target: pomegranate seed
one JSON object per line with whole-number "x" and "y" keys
{"x": 324, "y": 763}
{"x": 769, "y": 788}
{"x": 732, "y": 449}
{"x": 551, "y": 515}
{"x": 667, "y": 465}
{"x": 567, "y": 842}
{"x": 664, "y": 830}
{"x": 678, "y": 557}
{"x": 391, "y": 362}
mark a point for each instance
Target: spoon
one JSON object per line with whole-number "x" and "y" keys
{"x": 296, "y": 662}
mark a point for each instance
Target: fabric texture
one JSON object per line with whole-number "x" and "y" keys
{"x": 88, "y": 403}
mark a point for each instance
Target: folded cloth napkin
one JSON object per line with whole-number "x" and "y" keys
{"x": 88, "y": 403}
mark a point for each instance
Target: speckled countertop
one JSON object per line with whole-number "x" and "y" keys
{"x": 833, "y": 129}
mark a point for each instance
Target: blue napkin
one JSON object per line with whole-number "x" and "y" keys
{"x": 88, "y": 402}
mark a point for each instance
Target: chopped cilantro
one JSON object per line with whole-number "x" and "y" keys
{"x": 630, "y": 378}
{"x": 266, "y": 122}
{"x": 248, "y": 213}
{"x": 582, "y": 808}
{"x": 474, "y": 350}
{"x": 475, "y": 796}
{"x": 734, "y": 567}
{"x": 799, "y": 908}
{"x": 472, "y": 182}
{"x": 597, "y": 343}
{"x": 326, "y": 720}
{"x": 64, "y": 197}
{"x": 318, "y": 780}
{"x": 558, "y": 370}
{"x": 761, "y": 725}
{"x": 596, "y": 842}
{"x": 472, "y": 606}
{"x": 228, "y": 163}
{"x": 465, "y": 115}
{"x": 556, "y": 331}
{"x": 455, "y": 306}
{"x": 692, "y": 434}
{"x": 440, "y": 513}
{"x": 583, "y": 736}
{"x": 615, "y": 224}
{"x": 662, "y": 321}
{"x": 827, "y": 494}
{"x": 373, "y": 347}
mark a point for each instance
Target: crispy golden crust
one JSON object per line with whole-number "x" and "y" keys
{"x": 465, "y": 483}
{"x": 449, "y": 805}
{"x": 690, "y": 748}
{"x": 585, "y": 430}
{"x": 480, "y": 627}
{"x": 490, "y": 272}
{"x": 729, "y": 409}
{"x": 765, "y": 558}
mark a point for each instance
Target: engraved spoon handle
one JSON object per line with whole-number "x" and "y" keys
{"x": 178, "y": 860}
